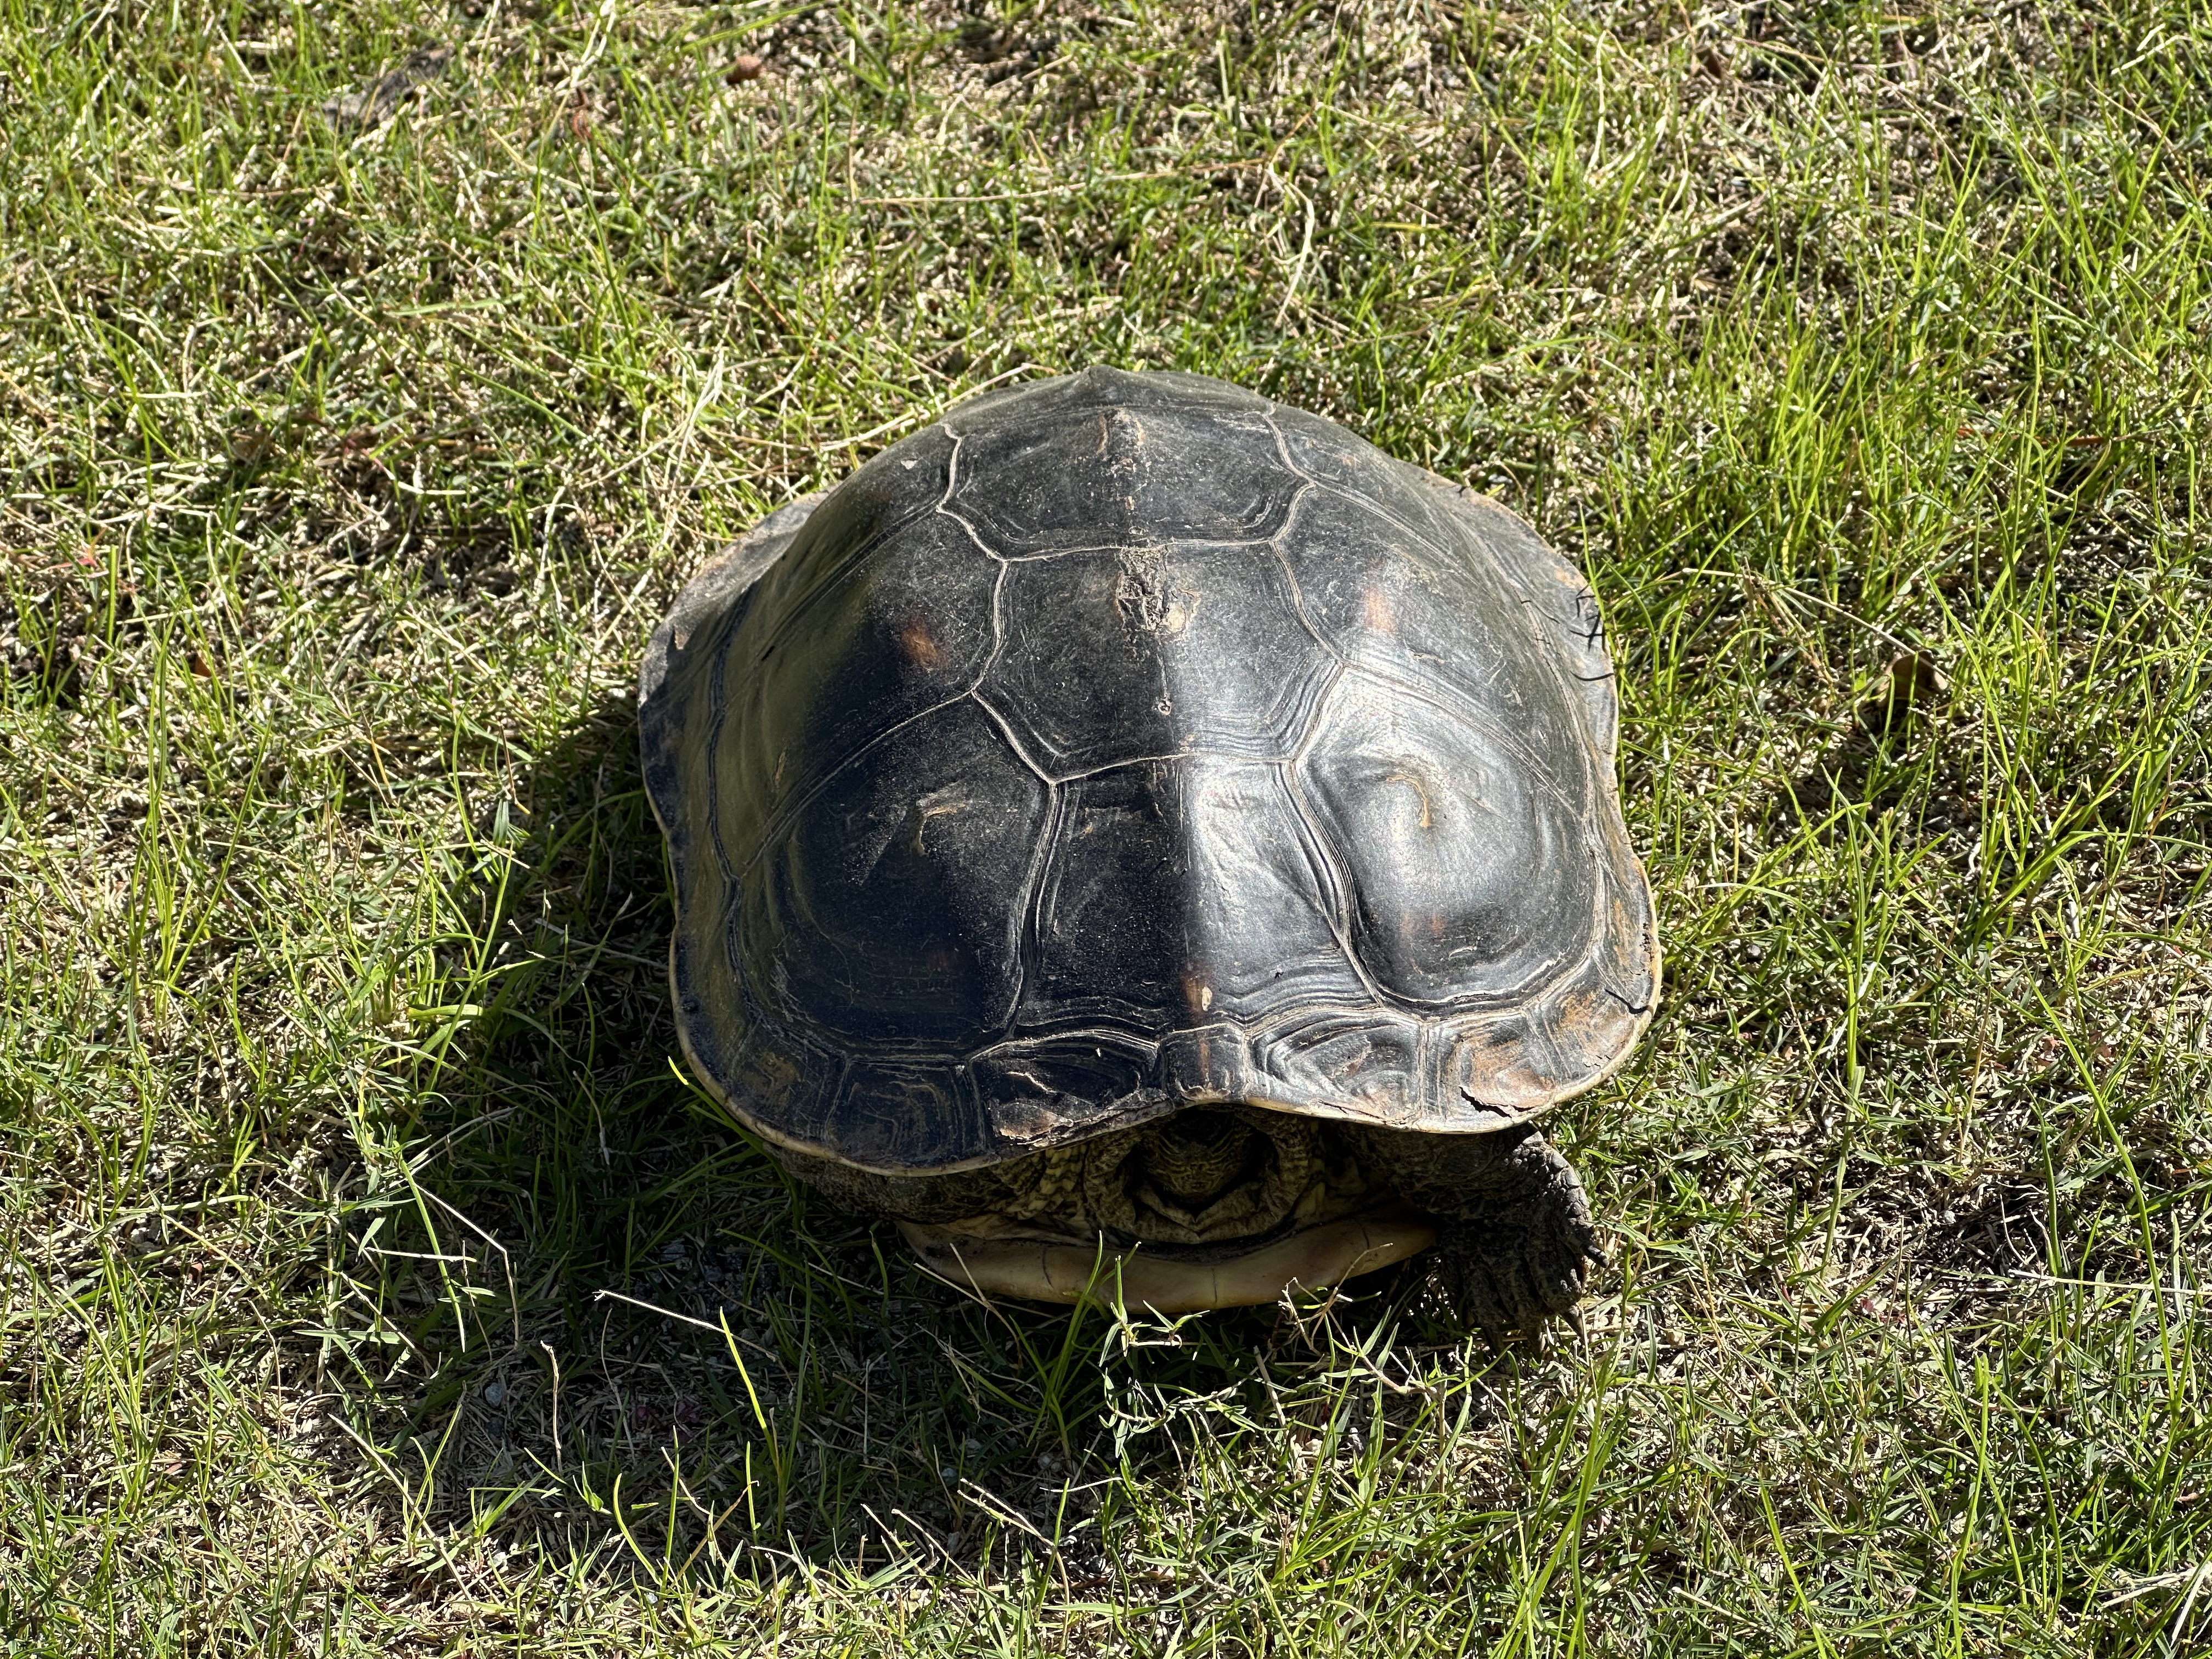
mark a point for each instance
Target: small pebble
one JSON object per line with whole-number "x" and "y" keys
{"x": 494, "y": 1393}
{"x": 747, "y": 68}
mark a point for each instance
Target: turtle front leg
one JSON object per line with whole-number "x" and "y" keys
{"x": 1516, "y": 1256}
{"x": 1516, "y": 1233}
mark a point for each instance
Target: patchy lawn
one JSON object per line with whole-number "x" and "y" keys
{"x": 370, "y": 378}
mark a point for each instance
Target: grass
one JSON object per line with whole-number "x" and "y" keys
{"x": 373, "y": 1284}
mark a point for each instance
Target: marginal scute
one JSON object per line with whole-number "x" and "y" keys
{"x": 1495, "y": 1067}
{"x": 713, "y": 603}
{"x": 1035, "y": 400}
{"x": 769, "y": 1077}
{"x": 1208, "y": 1064}
{"x": 1033, "y": 1090}
{"x": 1367, "y": 1062}
{"x": 903, "y": 1117}
{"x": 1325, "y": 452}
{"x": 1627, "y": 962}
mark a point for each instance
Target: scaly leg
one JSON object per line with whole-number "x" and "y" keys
{"x": 1518, "y": 1232}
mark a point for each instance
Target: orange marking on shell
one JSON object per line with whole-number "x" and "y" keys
{"x": 920, "y": 645}
{"x": 1380, "y": 614}
{"x": 1197, "y": 993}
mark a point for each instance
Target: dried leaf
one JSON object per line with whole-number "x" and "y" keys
{"x": 1914, "y": 683}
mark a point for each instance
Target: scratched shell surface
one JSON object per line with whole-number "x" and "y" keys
{"x": 1124, "y": 742}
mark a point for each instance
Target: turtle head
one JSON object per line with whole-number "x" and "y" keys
{"x": 1196, "y": 1157}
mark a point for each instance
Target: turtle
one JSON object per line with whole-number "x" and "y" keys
{"x": 1145, "y": 841}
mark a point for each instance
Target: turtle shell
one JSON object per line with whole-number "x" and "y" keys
{"x": 1125, "y": 742}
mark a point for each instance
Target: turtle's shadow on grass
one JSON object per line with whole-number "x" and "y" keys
{"x": 639, "y": 1317}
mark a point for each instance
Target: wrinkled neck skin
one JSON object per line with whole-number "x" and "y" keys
{"x": 1215, "y": 1205}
